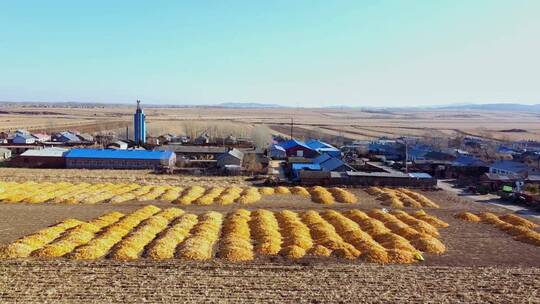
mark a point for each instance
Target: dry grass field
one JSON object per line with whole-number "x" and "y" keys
{"x": 348, "y": 123}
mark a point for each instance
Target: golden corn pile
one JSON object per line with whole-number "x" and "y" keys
{"x": 84, "y": 193}
{"x": 520, "y": 228}
{"x": 317, "y": 194}
{"x": 400, "y": 198}
{"x": 239, "y": 236}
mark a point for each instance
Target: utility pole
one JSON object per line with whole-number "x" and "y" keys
{"x": 292, "y": 124}
{"x": 406, "y": 155}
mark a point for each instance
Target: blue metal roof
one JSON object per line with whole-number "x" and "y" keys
{"x": 468, "y": 161}
{"x": 332, "y": 164}
{"x": 306, "y": 166}
{"x": 505, "y": 150}
{"x": 292, "y": 143}
{"x": 69, "y": 136}
{"x": 510, "y": 166}
{"x": 321, "y": 158}
{"x": 277, "y": 147}
{"x": 118, "y": 154}
{"x": 419, "y": 175}
{"x": 317, "y": 144}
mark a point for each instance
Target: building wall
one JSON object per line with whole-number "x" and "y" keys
{"x": 276, "y": 153}
{"x": 97, "y": 163}
{"x": 38, "y": 162}
{"x": 21, "y": 140}
{"x": 293, "y": 151}
{"x": 228, "y": 160}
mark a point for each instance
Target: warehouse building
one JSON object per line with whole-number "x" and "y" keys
{"x": 119, "y": 159}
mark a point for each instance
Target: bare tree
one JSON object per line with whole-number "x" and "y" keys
{"x": 251, "y": 164}
{"x": 261, "y": 136}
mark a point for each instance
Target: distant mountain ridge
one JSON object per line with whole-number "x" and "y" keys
{"x": 511, "y": 107}
{"x": 494, "y": 107}
{"x": 248, "y": 105}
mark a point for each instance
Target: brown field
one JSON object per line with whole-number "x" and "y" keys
{"x": 348, "y": 123}
{"x": 482, "y": 264}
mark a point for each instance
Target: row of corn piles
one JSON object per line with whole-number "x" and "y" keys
{"x": 132, "y": 246}
{"x": 164, "y": 247}
{"x": 113, "y": 234}
{"x": 520, "y": 228}
{"x": 401, "y": 197}
{"x": 235, "y": 244}
{"x": 77, "y": 236}
{"x": 199, "y": 245}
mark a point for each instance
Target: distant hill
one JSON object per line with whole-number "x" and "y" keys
{"x": 248, "y": 105}
{"x": 512, "y": 107}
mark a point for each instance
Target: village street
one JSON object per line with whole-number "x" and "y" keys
{"x": 493, "y": 199}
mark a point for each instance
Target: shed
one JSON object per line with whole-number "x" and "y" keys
{"x": 118, "y": 145}
{"x": 277, "y": 152}
{"x": 297, "y": 168}
{"x": 231, "y": 157}
{"x": 119, "y": 159}
{"x": 196, "y": 152}
{"x": 5, "y": 154}
{"x": 203, "y": 139}
{"x": 85, "y": 137}
{"x": 329, "y": 163}
{"x": 42, "y": 158}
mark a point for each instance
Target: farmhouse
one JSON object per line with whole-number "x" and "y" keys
{"x": 118, "y": 159}
{"x": 297, "y": 148}
{"x": 66, "y": 138}
{"x": 41, "y": 158}
{"x": 23, "y": 138}
{"x": 42, "y": 137}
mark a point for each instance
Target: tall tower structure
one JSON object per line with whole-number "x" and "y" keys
{"x": 139, "y": 125}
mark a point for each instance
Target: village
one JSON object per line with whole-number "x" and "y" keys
{"x": 475, "y": 165}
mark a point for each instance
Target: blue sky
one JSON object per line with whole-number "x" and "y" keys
{"x": 301, "y": 53}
